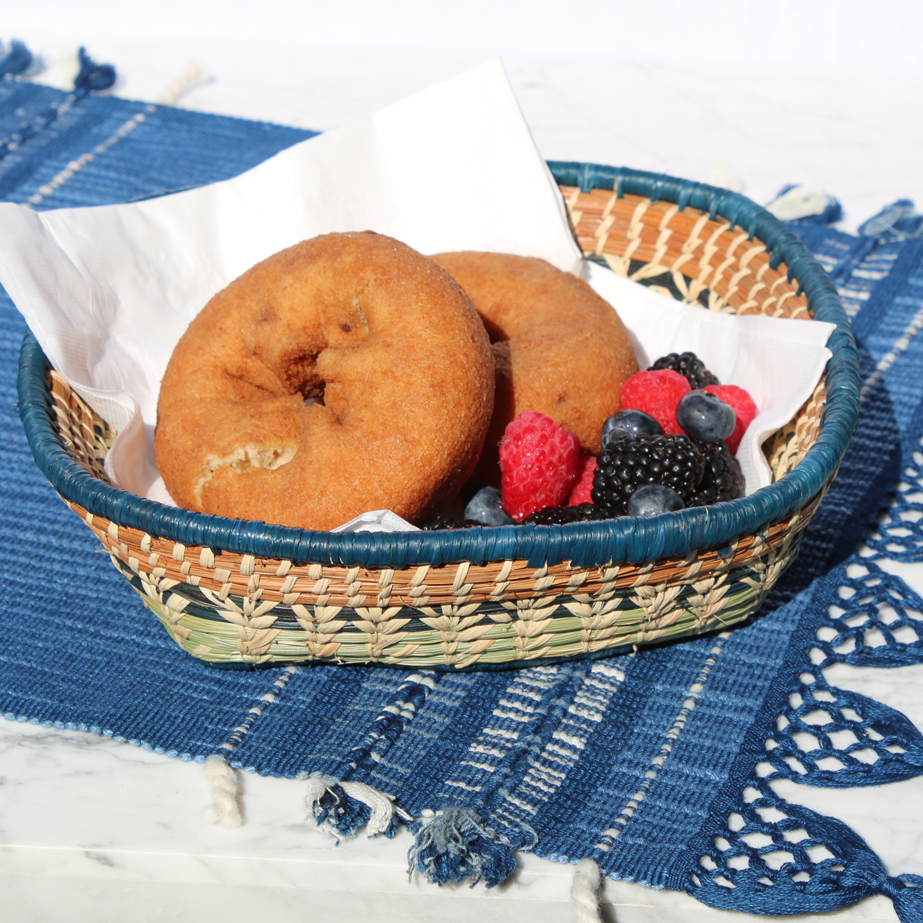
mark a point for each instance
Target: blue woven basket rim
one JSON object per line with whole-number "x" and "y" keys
{"x": 582, "y": 544}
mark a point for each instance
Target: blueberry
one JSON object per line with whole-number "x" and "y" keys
{"x": 484, "y": 507}
{"x": 705, "y": 416}
{"x": 652, "y": 499}
{"x": 629, "y": 423}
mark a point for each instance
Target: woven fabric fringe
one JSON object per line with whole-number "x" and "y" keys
{"x": 17, "y": 61}
{"x": 343, "y": 808}
{"x": 584, "y": 892}
{"x": 455, "y": 845}
{"x": 224, "y": 787}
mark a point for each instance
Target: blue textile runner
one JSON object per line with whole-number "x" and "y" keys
{"x": 658, "y": 764}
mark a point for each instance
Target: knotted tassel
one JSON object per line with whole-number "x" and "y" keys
{"x": 342, "y": 808}
{"x": 456, "y": 845}
{"x": 809, "y": 204}
{"x": 906, "y": 891}
{"x": 224, "y": 787}
{"x": 584, "y": 892}
{"x": 16, "y": 59}
{"x": 92, "y": 77}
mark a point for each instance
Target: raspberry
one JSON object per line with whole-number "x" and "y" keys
{"x": 656, "y": 393}
{"x": 744, "y": 410}
{"x": 580, "y": 493}
{"x": 539, "y": 462}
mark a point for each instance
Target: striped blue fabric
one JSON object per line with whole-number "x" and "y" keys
{"x": 656, "y": 764}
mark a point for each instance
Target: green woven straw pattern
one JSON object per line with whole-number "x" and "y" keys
{"x": 226, "y": 629}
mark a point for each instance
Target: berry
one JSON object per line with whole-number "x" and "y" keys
{"x": 538, "y": 464}
{"x": 580, "y": 492}
{"x": 704, "y": 416}
{"x": 447, "y": 522}
{"x": 652, "y": 499}
{"x": 630, "y": 423}
{"x": 744, "y": 410}
{"x": 484, "y": 508}
{"x": 629, "y": 463}
{"x": 723, "y": 480}
{"x": 656, "y": 393}
{"x": 690, "y": 366}
{"x": 561, "y": 515}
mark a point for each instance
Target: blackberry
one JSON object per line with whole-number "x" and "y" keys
{"x": 723, "y": 479}
{"x": 448, "y": 522}
{"x": 688, "y": 365}
{"x": 630, "y": 462}
{"x": 560, "y": 515}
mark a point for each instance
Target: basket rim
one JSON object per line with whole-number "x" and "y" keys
{"x": 581, "y": 543}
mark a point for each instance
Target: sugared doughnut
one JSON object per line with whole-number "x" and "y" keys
{"x": 345, "y": 374}
{"x": 559, "y": 348}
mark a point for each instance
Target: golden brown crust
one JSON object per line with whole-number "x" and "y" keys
{"x": 559, "y": 348}
{"x": 387, "y": 343}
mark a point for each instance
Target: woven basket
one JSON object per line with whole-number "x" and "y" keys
{"x": 246, "y": 593}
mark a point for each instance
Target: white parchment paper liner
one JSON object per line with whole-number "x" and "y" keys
{"x": 108, "y": 291}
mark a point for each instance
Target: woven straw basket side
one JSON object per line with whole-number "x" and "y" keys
{"x": 250, "y": 594}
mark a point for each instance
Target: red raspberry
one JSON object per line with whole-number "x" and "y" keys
{"x": 744, "y": 409}
{"x": 580, "y": 493}
{"x": 656, "y": 393}
{"x": 538, "y": 464}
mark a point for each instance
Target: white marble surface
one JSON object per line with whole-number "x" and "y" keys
{"x": 92, "y": 829}
{"x": 854, "y": 132}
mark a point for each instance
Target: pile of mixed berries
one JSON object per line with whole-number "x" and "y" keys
{"x": 670, "y": 447}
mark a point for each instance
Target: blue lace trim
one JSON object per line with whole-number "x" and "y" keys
{"x": 770, "y": 856}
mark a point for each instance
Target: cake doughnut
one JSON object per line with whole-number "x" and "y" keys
{"x": 345, "y": 374}
{"x": 559, "y": 348}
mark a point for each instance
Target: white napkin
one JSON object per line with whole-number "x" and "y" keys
{"x": 108, "y": 291}
{"x": 776, "y": 360}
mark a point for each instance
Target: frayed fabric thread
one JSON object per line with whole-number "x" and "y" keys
{"x": 342, "y": 808}
{"x": 456, "y": 846}
{"x": 224, "y": 787}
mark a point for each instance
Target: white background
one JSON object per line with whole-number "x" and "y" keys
{"x": 748, "y": 94}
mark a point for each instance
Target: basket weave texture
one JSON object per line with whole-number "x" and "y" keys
{"x": 244, "y": 593}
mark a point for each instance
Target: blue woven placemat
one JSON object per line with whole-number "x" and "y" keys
{"x": 639, "y": 762}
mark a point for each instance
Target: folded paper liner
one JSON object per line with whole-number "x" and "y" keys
{"x": 109, "y": 290}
